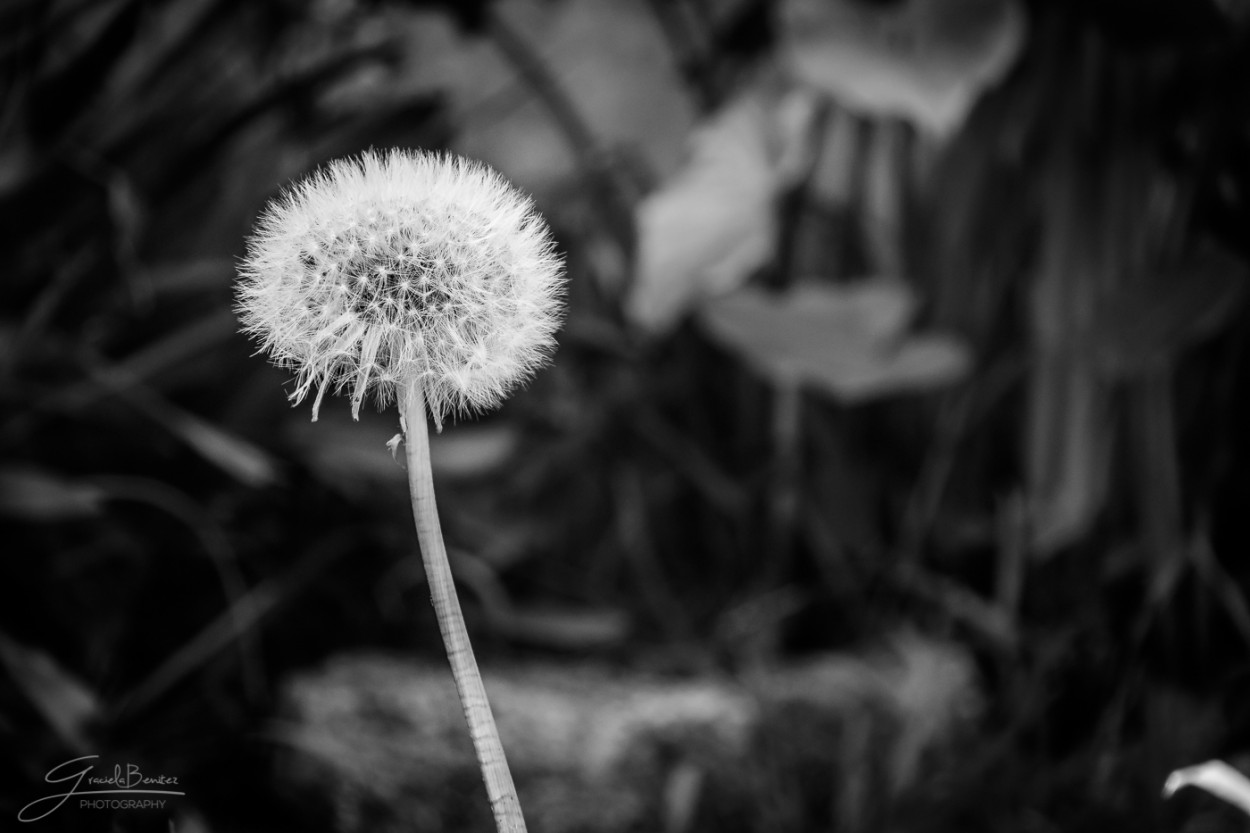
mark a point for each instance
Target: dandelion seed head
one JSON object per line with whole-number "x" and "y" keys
{"x": 403, "y": 267}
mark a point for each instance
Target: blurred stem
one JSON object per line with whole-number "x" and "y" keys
{"x": 1158, "y": 485}
{"x": 534, "y": 71}
{"x": 45, "y": 306}
{"x": 634, "y": 530}
{"x": 795, "y": 203}
{"x": 213, "y": 540}
{"x": 935, "y": 474}
{"x": 685, "y": 456}
{"x": 786, "y": 427}
{"x": 243, "y": 615}
{"x": 885, "y": 195}
{"x": 1069, "y": 436}
{"x": 531, "y": 68}
{"x": 1012, "y": 522}
{"x": 233, "y": 455}
{"x": 182, "y": 344}
{"x": 482, "y": 729}
{"x": 692, "y": 53}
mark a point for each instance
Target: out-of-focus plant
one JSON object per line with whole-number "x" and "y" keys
{"x": 710, "y": 228}
{"x": 1119, "y": 275}
{"x": 1217, "y": 778}
{"x": 752, "y": 204}
{"x": 1015, "y": 229}
{"x": 135, "y": 141}
{"x": 925, "y": 61}
{"x": 845, "y": 341}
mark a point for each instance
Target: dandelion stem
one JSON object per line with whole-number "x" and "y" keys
{"x": 482, "y": 729}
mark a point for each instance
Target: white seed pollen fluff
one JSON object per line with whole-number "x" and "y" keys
{"x": 403, "y": 267}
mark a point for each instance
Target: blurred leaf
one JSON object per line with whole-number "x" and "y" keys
{"x": 834, "y": 178}
{"x": 1069, "y": 426}
{"x": 167, "y": 354}
{"x": 707, "y": 230}
{"x": 190, "y": 275}
{"x": 887, "y": 167}
{"x": 562, "y": 628}
{"x": 38, "y": 495}
{"x": 930, "y": 688}
{"x": 90, "y": 48}
{"x": 1217, "y": 778}
{"x": 684, "y": 788}
{"x": 1236, "y": 10}
{"x": 546, "y": 625}
{"x": 411, "y": 120}
{"x": 956, "y": 600}
{"x": 63, "y": 700}
{"x": 472, "y": 451}
{"x": 234, "y": 455}
{"x": 303, "y": 85}
{"x": 1144, "y": 324}
{"x": 350, "y": 457}
{"x": 935, "y": 688}
{"x": 846, "y": 341}
{"x": 127, "y": 211}
{"x": 170, "y": 32}
{"x": 16, "y": 165}
{"x": 609, "y": 63}
{"x": 236, "y": 623}
{"x": 1070, "y": 436}
{"x": 924, "y": 60}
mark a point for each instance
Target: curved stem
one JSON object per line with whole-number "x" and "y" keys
{"x": 482, "y": 729}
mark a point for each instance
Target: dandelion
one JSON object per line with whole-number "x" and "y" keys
{"x": 398, "y": 268}
{"x": 430, "y": 282}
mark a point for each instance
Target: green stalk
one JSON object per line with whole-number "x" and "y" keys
{"x": 490, "y": 755}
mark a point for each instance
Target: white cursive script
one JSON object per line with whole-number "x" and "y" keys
{"x": 125, "y": 780}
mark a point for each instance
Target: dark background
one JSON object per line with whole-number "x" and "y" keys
{"x": 1015, "y": 422}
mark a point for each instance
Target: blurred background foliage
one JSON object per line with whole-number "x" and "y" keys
{"x": 920, "y": 314}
